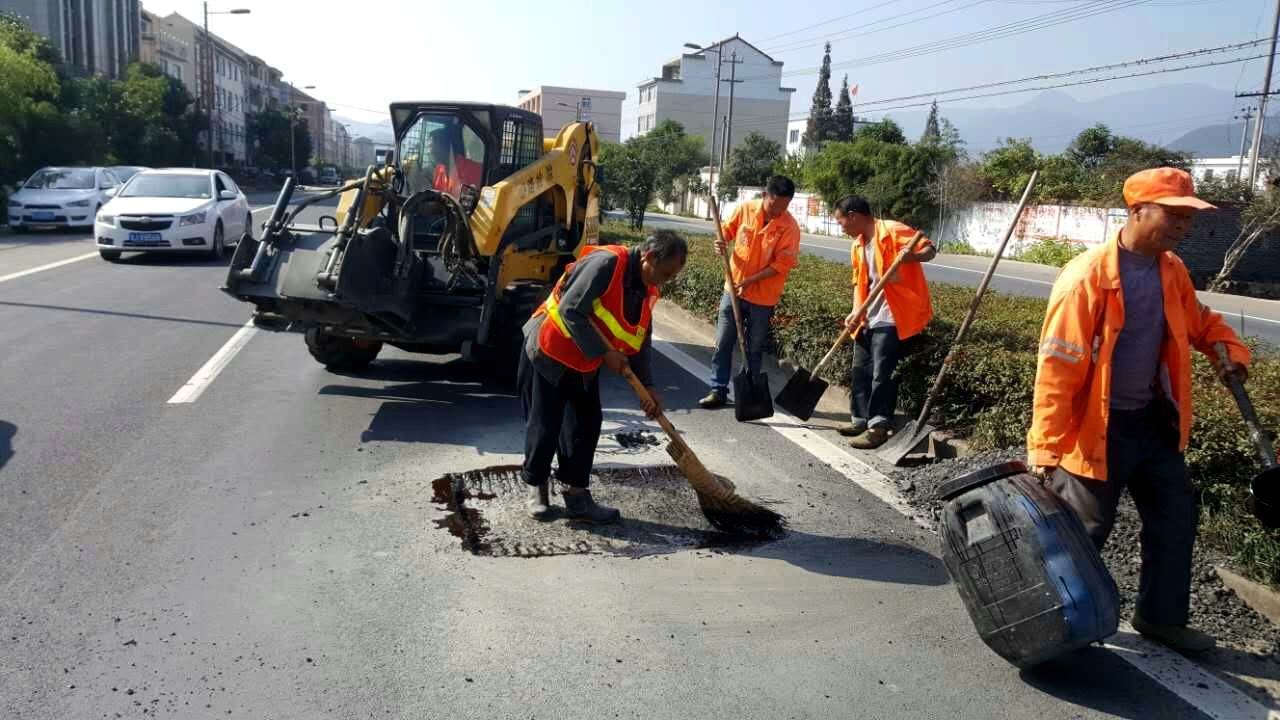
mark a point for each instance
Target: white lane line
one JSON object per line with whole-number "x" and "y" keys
{"x": 1190, "y": 682}
{"x": 983, "y": 272}
{"x": 205, "y": 376}
{"x": 50, "y": 266}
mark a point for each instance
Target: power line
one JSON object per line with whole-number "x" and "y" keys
{"x": 835, "y": 35}
{"x": 830, "y": 20}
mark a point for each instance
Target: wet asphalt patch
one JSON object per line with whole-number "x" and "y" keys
{"x": 484, "y": 509}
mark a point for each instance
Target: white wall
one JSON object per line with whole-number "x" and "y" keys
{"x": 981, "y": 225}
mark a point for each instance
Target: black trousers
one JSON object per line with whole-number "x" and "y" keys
{"x": 561, "y": 419}
{"x": 873, "y": 393}
{"x": 1143, "y": 456}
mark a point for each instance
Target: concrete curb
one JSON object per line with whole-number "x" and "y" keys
{"x": 1264, "y": 600}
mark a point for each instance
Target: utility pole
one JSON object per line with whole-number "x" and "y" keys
{"x": 1262, "y": 103}
{"x": 734, "y": 62}
{"x": 1246, "y": 114}
{"x": 208, "y": 68}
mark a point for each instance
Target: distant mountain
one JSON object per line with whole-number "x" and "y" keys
{"x": 379, "y": 132}
{"x": 1053, "y": 118}
{"x": 1217, "y": 140}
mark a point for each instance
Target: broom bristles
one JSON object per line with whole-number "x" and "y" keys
{"x": 727, "y": 511}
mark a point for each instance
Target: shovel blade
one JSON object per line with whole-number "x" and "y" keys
{"x": 904, "y": 442}
{"x": 751, "y": 397}
{"x": 1266, "y": 497}
{"x": 801, "y": 394}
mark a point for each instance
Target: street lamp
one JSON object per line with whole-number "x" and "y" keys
{"x": 293, "y": 116}
{"x": 208, "y": 41}
{"x": 577, "y": 109}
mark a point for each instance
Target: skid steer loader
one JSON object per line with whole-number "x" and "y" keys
{"x": 449, "y": 248}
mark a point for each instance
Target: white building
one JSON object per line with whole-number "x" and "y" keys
{"x": 559, "y": 106}
{"x": 685, "y": 92}
{"x": 795, "y": 131}
{"x": 162, "y": 47}
{"x": 94, "y": 37}
{"x": 1227, "y": 167}
{"x": 221, "y": 86}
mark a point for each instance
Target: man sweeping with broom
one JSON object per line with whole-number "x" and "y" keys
{"x": 598, "y": 314}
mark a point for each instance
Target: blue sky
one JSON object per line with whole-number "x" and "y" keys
{"x": 488, "y": 51}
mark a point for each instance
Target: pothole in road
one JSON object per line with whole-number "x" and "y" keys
{"x": 660, "y": 514}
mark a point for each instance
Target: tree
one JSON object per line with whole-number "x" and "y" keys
{"x": 751, "y": 163}
{"x": 662, "y": 162}
{"x": 794, "y": 166}
{"x": 674, "y": 156}
{"x": 886, "y": 131}
{"x": 932, "y": 130}
{"x": 1259, "y": 218}
{"x": 28, "y": 88}
{"x": 268, "y": 132}
{"x": 895, "y": 178}
{"x": 627, "y": 178}
{"x": 821, "y": 125}
{"x": 843, "y": 120}
{"x": 1008, "y": 168}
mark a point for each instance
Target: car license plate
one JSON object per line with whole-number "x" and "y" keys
{"x": 42, "y": 216}
{"x": 143, "y": 237}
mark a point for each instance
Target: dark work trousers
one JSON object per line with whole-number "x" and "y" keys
{"x": 755, "y": 326}
{"x": 1142, "y": 455}
{"x": 874, "y": 391}
{"x": 560, "y": 419}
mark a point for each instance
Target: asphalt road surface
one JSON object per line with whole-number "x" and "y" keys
{"x": 1251, "y": 316}
{"x": 199, "y": 521}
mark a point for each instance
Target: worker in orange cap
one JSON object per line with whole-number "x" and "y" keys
{"x": 1113, "y": 392}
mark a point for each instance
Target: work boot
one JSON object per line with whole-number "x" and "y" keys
{"x": 579, "y": 505}
{"x": 871, "y": 439}
{"x": 717, "y": 398}
{"x": 1175, "y": 637}
{"x": 537, "y": 501}
{"x": 853, "y": 429}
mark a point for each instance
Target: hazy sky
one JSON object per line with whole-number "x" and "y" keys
{"x": 363, "y": 55}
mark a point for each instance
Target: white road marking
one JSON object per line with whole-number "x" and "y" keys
{"x": 1190, "y": 682}
{"x": 49, "y": 266}
{"x": 205, "y": 376}
{"x": 983, "y": 272}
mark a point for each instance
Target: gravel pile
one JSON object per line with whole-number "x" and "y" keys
{"x": 1214, "y": 607}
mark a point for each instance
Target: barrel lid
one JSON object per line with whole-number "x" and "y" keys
{"x": 978, "y": 478}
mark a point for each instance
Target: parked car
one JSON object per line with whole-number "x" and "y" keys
{"x": 329, "y": 176}
{"x": 175, "y": 210}
{"x": 124, "y": 172}
{"x": 61, "y": 197}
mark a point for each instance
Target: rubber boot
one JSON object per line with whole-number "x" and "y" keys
{"x": 538, "y": 501}
{"x": 579, "y": 505}
{"x": 1177, "y": 637}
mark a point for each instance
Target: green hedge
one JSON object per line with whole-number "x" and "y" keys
{"x": 987, "y": 397}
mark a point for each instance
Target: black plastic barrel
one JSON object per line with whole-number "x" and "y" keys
{"x": 1028, "y": 573}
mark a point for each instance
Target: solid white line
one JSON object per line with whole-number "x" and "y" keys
{"x": 1190, "y": 682}
{"x": 983, "y": 272}
{"x": 50, "y": 266}
{"x": 205, "y": 376}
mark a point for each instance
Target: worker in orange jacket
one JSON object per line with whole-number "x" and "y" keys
{"x": 901, "y": 313}
{"x": 766, "y": 245}
{"x": 1113, "y": 392}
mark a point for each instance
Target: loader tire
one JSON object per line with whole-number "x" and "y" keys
{"x": 340, "y": 354}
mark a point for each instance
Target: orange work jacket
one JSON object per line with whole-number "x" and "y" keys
{"x": 908, "y": 294}
{"x": 757, "y": 245}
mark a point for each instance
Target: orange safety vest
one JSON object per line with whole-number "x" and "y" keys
{"x": 1073, "y": 371}
{"x": 908, "y": 296}
{"x": 607, "y": 314}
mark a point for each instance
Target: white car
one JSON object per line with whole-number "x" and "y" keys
{"x": 173, "y": 210}
{"x": 61, "y": 197}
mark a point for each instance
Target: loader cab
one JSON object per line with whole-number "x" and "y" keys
{"x": 444, "y": 146}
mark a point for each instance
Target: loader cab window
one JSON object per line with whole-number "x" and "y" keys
{"x": 440, "y": 152}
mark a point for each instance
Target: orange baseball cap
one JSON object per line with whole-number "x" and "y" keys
{"x": 1163, "y": 186}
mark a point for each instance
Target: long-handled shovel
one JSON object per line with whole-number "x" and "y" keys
{"x": 751, "y": 397}
{"x": 802, "y": 392}
{"x": 723, "y": 507}
{"x": 1265, "y": 487}
{"x": 917, "y": 431}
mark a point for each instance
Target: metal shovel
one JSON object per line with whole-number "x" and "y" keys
{"x": 1265, "y": 487}
{"x": 906, "y": 440}
{"x": 751, "y": 397}
{"x": 802, "y": 392}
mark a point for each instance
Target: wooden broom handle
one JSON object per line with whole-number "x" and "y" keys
{"x": 641, "y": 391}
{"x": 872, "y": 296}
{"x": 728, "y": 275}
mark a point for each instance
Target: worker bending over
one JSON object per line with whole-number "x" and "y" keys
{"x": 608, "y": 293}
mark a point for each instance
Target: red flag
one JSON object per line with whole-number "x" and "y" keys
{"x": 853, "y": 91}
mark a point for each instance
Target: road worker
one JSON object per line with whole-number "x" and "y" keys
{"x": 609, "y": 293}
{"x": 901, "y": 313}
{"x": 1113, "y": 392}
{"x": 766, "y": 245}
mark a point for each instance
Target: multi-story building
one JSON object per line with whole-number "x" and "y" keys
{"x": 561, "y": 105}
{"x": 94, "y": 37}
{"x": 262, "y": 81}
{"x": 220, "y": 86}
{"x": 162, "y": 47}
{"x": 686, "y": 89}
{"x": 795, "y": 131}
{"x": 316, "y": 115}
{"x": 362, "y": 153}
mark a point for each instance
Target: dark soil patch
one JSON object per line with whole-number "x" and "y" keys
{"x": 485, "y": 511}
